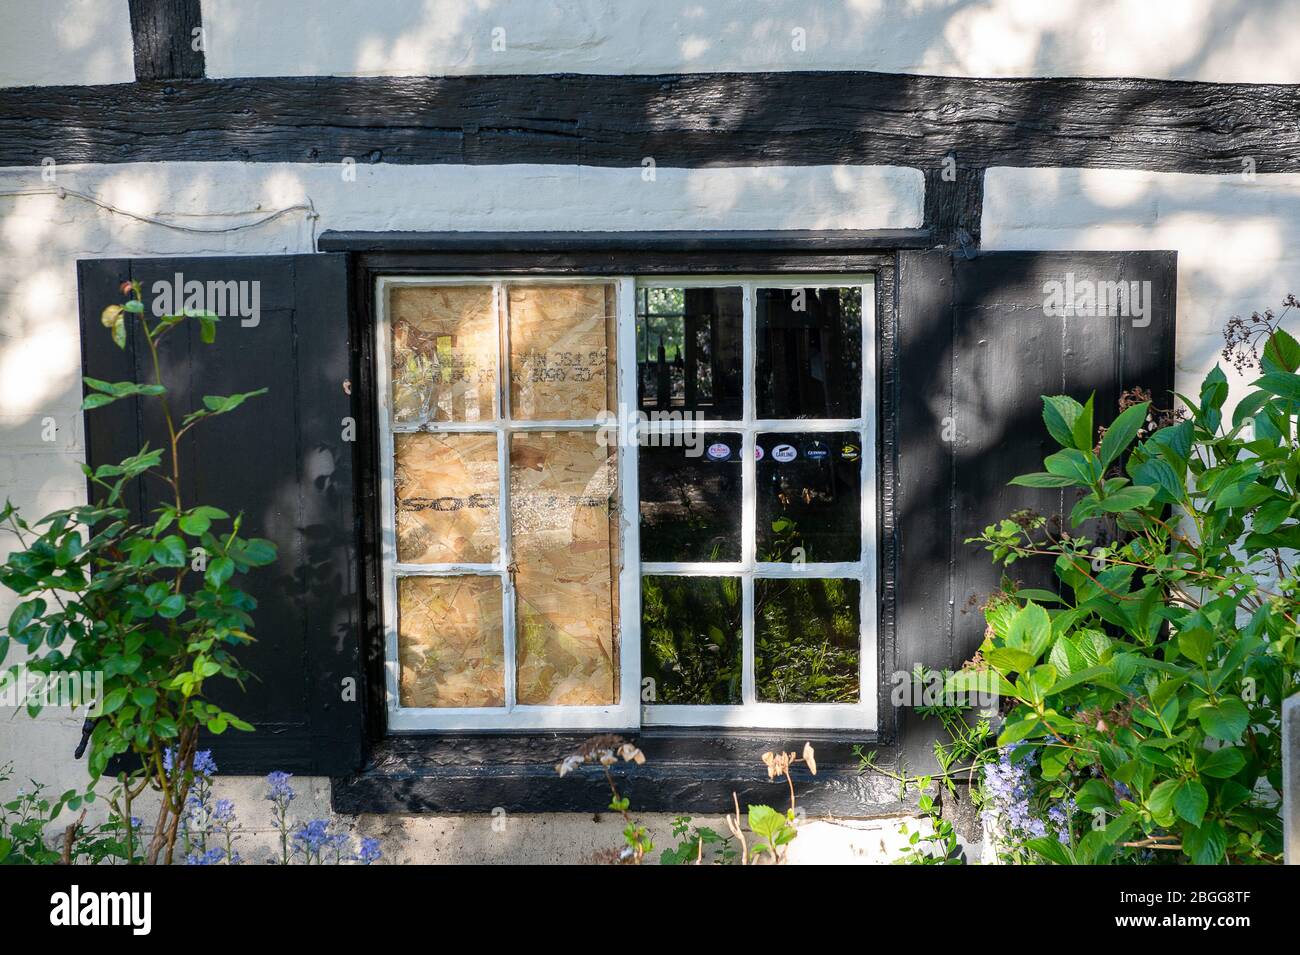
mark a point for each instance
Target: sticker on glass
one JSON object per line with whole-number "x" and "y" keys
{"x": 719, "y": 451}
{"x": 784, "y": 453}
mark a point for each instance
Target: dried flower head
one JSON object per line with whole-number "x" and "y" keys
{"x": 606, "y": 749}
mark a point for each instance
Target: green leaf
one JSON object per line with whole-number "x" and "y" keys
{"x": 1195, "y": 644}
{"x": 1127, "y": 499}
{"x": 1226, "y": 720}
{"x": 208, "y": 329}
{"x": 1031, "y": 630}
{"x": 172, "y": 606}
{"x": 1223, "y": 763}
{"x": 1206, "y": 844}
{"x": 114, "y": 700}
{"x": 1281, "y": 352}
{"x": 1122, "y": 431}
{"x": 765, "y": 821}
{"x": 194, "y": 524}
{"x": 1042, "y": 479}
{"x": 170, "y": 551}
{"x": 1270, "y": 517}
{"x": 91, "y": 402}
{"x": 1191, "y": 801}
{"x": 1081, "y": 431}
{"x": 259, "y": 552}
{"x": 1059, "y": 414}
{"x": 119, "y": 333}
{"x": 1161, "y": 801}
{"x": 220, "y": 404}
{"x": 1080, "y": 466}
{"x": 219, "y": 571}
{"x": 144, "y": 696}
{"x": 1283, "y": 384}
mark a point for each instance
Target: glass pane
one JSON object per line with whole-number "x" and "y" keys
{"x": 808, "y": 488}
{"x": 450, "y": 643}
{"x": 809, "y": 352}
{"x": 561, "y": 351}
{"x": 564, "y": 535}
{"x": 688, "y": 351}
{"x": 444, "y": 353}
{"x": 446, "y": 491}
{"x": 691, "y": 639}
{"x": 690, "y": 497}
{"x": 806, "y": 640}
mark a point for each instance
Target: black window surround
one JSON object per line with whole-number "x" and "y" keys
{"x": 687, "y": 770}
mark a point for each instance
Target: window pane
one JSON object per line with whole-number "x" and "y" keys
{"x": 690, "y": 497}
{"x": 564, "y": 530}
{"x": 450, "y": 641}
{"x": 689, "y": 351}
{"x": 809, "y": 352}
{"x": 561, "y": 351}
{"x": 444, "y": 353}
{"x": 806, "y": 641}
{"x": 446, "y": 492}
{"x": 808, "y": 488}
{"x": 691, "y": 639}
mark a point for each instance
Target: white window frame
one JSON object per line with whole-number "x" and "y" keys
{"x": 750, "y": 713}
{"x": 630, "y": 713}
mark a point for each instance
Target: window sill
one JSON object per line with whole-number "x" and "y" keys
{"x": 685, "y": 771}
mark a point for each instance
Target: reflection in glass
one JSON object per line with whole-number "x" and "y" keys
{"x": 808, "y": 490}
{"x": 561, "y": 351}
{"x": 690, "y": 497}
{"x": 688, "y": 345}
{"x": 450, "y": 644}
{"x": 806, "y": 640}
{"x": 564, "y": 534}
{"x": 691, "y": 639}
{"x": 444, "y": 353}
{"x": 445, "y": 487}
{"x": 809, "y": 352}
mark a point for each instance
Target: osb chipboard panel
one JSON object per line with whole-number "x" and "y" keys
{"x": 444, "y": 351}
{"x": 447, "y": 501}
{"x": 561, "y": 351}
{"x": 450, "y": 643}
{"x": 564, "y": 535}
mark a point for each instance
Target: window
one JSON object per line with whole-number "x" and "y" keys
{"x": 612, "y": 503}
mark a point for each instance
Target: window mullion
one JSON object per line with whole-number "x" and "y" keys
{"x": 749, "y": 495}
{"x": 503, "y": 483}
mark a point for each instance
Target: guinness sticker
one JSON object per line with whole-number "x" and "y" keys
{"x": 817, "y": 451}
{"x": 784, "y": 453}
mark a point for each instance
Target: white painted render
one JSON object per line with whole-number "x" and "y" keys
{"x": 1237, "y": 238}
{"x": 53, "y": 42}
{"x": 1253, "y": 41}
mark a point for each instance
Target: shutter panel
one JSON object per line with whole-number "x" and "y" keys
{"x": 976, "y": 353}
{"x": 282, "y": 460}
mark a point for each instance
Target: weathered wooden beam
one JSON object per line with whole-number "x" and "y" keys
{"x": 166, "y": 44}
{"x": 688, "y": 120}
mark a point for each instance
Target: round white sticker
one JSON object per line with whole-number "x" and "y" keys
{"x": 784, "y": 452}
{"x": 719, "y": 451}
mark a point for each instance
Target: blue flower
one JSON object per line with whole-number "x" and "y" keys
{"x": 369, "y": 851}
{"x": 311, "y": 837}
{"x": 204, "y": 764}
{"x": 280, "y": 791}
{"x": 211, "y": 857}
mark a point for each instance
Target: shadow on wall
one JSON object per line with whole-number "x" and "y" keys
{"x": 1223, "y": 40}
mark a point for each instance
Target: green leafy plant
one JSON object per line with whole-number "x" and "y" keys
{"x": 1152, "y": 684}
{"x": 933, "y": 845}
{"x": 27, "y": 820}
{"x": 605, "y": 751}
{"x": 148, "y": 603}
{"x": 698, "y": 845}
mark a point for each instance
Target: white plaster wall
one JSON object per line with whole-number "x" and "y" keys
{"x": 1215, "y": 40}
{"x": 1237, "y": 238}
{"x": 52, "y": 42}
{"x": 42, "y": 236}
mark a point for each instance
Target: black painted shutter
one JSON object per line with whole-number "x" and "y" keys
{"x": 283, "y": 461}
{"x": 976, "y": 353}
